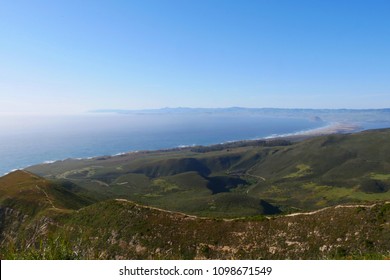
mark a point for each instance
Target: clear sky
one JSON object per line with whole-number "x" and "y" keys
{"x": 72, "y": 56}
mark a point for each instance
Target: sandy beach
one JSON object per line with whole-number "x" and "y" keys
{"x": 332, "y": 128}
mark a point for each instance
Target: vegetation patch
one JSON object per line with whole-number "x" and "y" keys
{"x": 225, "y": 186}
{"x": 303, "y": 170}
{"x": 164, "y": 185}
{"x": 378, "y": 176}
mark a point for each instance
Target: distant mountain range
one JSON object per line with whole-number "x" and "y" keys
{"x": 347, "y": 115}
{"x": 239, "y": 109}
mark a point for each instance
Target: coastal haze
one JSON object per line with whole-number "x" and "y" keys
{"x": 194, "y": 129}
{"x": 39, "y": 139}
{"x": 27, "y": 140}
{"x": 72, "y": 57}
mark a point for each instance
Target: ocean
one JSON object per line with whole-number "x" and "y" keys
{"x": 29, "y": 140}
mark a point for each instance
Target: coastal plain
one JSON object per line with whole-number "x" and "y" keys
{"x": 322, "y": 197}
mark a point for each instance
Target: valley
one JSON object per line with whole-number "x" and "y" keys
{"x": 324, "y": 197}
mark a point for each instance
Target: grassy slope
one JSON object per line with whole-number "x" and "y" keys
{"x": 28, "y": 204}
{"x": 24, "y": 191}
{"x": 44, "y": 220}
{"x": 123, "y": 230}
{"x": 234, "y": 180}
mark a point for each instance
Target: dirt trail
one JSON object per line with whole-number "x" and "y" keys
{"x": 47, "y": 196}
{"x": 169, "y": 211}
{"x": 255, "y": 176}
{"x": 268, "y": 217}
{"x": 159, "y": 209}
{"x": 336, "y": 207}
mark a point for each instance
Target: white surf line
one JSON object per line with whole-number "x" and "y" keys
{"x": 330, "y": 128}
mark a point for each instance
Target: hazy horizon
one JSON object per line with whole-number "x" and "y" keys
{"x": 100, "y": 111}
{"x": 73, "y": 57}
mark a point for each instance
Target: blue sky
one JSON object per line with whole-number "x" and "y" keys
{"x": 74, "y": 56}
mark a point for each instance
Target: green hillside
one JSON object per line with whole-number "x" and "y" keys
{"x": 24, "y": 191}
{"x": 234, "y": 179}
{"x": 119, "y": 229}
{"x": 321, "y": 198}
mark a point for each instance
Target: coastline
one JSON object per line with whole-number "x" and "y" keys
{"x": 327, "y": 129}
{"x": 331, "y": 128}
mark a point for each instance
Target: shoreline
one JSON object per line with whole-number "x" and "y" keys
{"x": 331, "y": 128}
{"x": 328, "y": 129}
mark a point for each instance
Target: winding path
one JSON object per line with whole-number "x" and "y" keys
{"x": 336, "y": 207}
{"x": 47, "y": 196}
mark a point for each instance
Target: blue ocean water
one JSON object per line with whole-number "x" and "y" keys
{"x": 28, "y": 140}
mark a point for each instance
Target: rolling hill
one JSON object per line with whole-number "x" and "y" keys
{"x": 320, "y": 198}
{"x": 289, "y": 175}
{"x": 120, "y": 229}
